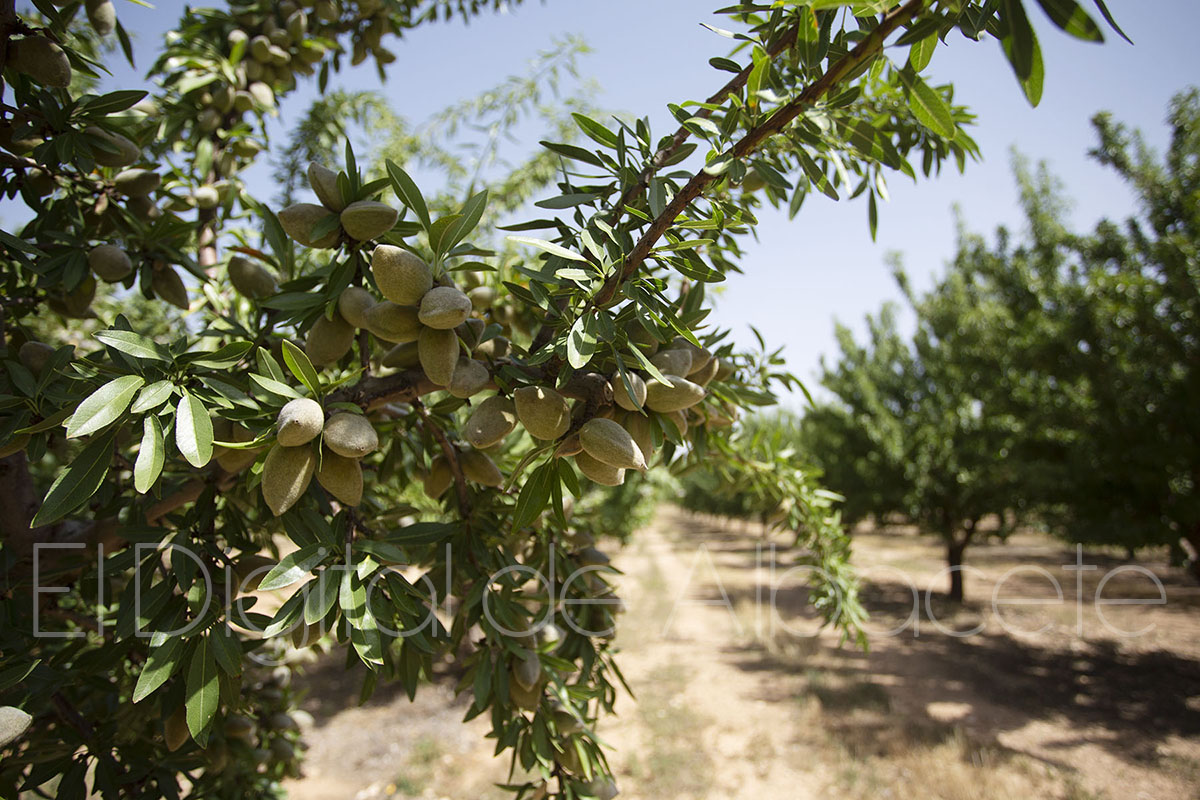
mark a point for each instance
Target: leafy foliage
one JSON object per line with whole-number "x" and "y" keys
{"x": 190, "y": 441}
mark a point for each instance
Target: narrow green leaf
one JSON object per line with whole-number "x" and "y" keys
{"x": 595, "y": 131}
{"x": 274, "y": 387}
{"x": 160, "y": 664}
{"x": 928, "y": 106}
{"x": 322, "y": 594}
{"x": 151, "y": 454}
{"x": 549, "y": 247}
{"x": 226, "y": 649}
{"x": 203, "y": 689}
{"x": 152, "y": 396}
{"x": 581, "y": 343}
{"x": 535, "y": 494}
{"x": 292, "y": 567}
{"x": 921, "y": 52}
{"x": 1019, "y": 43}
{"x": 301, "y": 367}
{"x": 78, "y": 482}
{"x": 1108, "y": 17}
{"x": 468, "y": 218}
{"x": 573, "y": 152}
{"x": 408, "y": 192}
{"x": 134, "y": 345}
{"x": 103, "y": 406}
{"x": 1072, "y": 19}
{"x": 193, "y": 430}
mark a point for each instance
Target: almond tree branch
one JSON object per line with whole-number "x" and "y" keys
{"x": 782, "y": 43}
{"x": 460, "y": 481}
{"x": 866, "y": 50}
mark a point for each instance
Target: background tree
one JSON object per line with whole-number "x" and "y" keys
{"x": 325, "y": 359}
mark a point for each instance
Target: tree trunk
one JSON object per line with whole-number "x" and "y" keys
{"x": 954, "y": 560}
{"x": 1193, "y": 538}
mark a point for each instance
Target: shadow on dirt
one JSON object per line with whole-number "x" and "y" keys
{"x": 1126, "y": 701}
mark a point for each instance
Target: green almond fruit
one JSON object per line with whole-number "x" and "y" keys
{"x": 401, "y": 276}
{"x": 394, "y": 323}
{"x": 299, "y": 422}
{"x": 438, "y": 351}
{"x": 478, "y": 467}
{"x": 700, "y": 355}
{"x": 167, "y": 284}
{"x": 77, "y": 303}
{"x": 353, "y": 304}
{"x": 136, "y": 182}
{"x": 494, "y": 348}
{"x": 543, "y": 411}
{"x": 299, "y": 220}
{"x": 297, "y": 25}
{"x": 342, "y": 477}
{"x": 121, "y": 151}
{"x": 471, "y": 331}
{"x": 230, "y": 459}
{"x": 621, "y": 395}
{"x": 175, "y": 729}
{"x": 444, "y": 307}
{"x": 13, "y": 724}
{"x": 327, "y": 10}
{"x": 14, "y": 445}
{"x": 470, "y": 378}
{"x": 328, "y": 340}
{"x": 490, "y": 422}
{"x": 260, "y": 49}
{"x": 208, "y": 120}
{"x": 678, "y": 420}
{"x": 598, "y": 471}
{"x": 262, "y": 94}
{"x": 324, "y": 183}
{"x": 243, "y": 101}
{"x": 528, "y": 670}
{"x": 42, "y": 60}
{"x": 18, "y": 143}
{"x": 250, "y": 278}
{"x": 724, "y": 370}
{"x": 642, "y": 431}
{"x": 109, "y": 262}
{"x": 40, "y": 182}
{"x": 482, "y": 297}
{"x": 206, "y": 197}
{"x": 239, "y": 727}
{"x": 143, "y": 207}
{"x": 35, "y": 356}
{"x": 279, "y": 57}
{"x": 702, "y": 377}
{"x": 368, "y": 219}
{"x": 605, "y": 440}
{"x": 527, "y": 699}
{"x": 102, "y": 14}
{"x": 405, "y": 355}
{"x": 439, "y": 478}
{"x": 350, "y": 435}
{"x": 672, "y": 362}
{"x": 674, "y": 395}
{"x": 286, "y": 474}
{"x": 223, "y": 99}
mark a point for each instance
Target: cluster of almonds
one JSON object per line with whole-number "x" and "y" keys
{"x": 271, "y": 732}
{"x": 291, "y": 463}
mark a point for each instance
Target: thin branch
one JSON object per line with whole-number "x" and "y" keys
{"x": 460, "y": 481}
{"x": 867, "y": 49}
{"x": 784, "y": 42}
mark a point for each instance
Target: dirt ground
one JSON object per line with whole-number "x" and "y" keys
{"x": 1015, "y": 695}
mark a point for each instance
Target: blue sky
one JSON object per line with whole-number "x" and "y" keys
{"x": 803, "y": 274}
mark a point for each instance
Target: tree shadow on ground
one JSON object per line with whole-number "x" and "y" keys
{"x": 1127, "y": 701}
